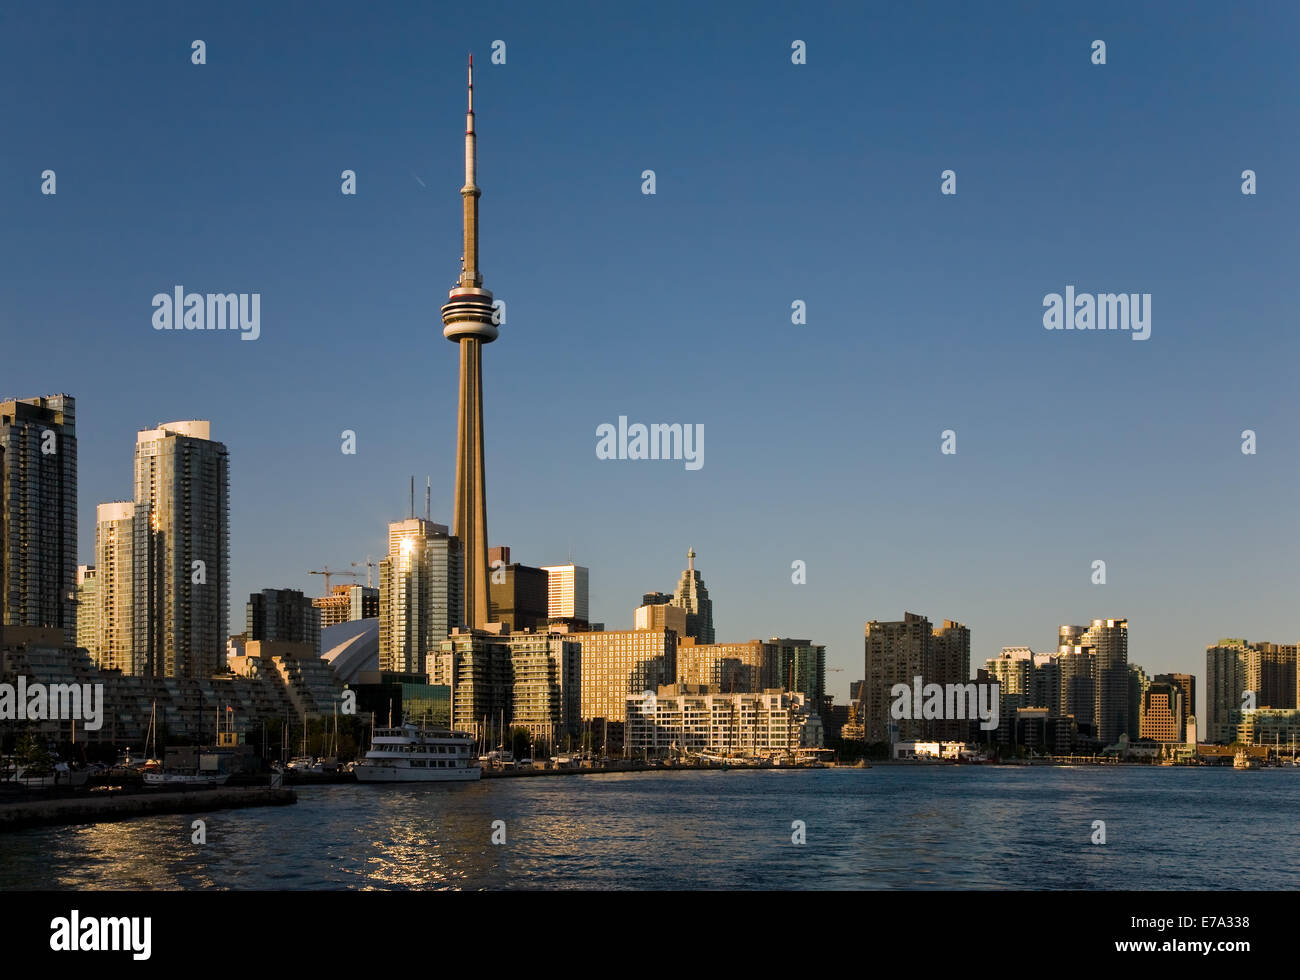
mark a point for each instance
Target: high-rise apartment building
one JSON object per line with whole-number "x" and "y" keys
{"x": 1225, "y": 683}
{"x": 283, "y": 616}
{"x": 546, "y": 685}
{"x": 38, "y": 514}
{"x": 88, "y": 610}
{"x": 114, "y": 546}
{"x": 1271, "y": 674}
{"x": 1108, "y": 638}
{"x": 420, "y": 600}
{"x": 1078, "y": 668}
{"x": 616, "y": 664}
{"x": 181, "y": 551}
{"x": 1096, "y": 657}
{"x": 898, "y": 651}
{"x": 566, "y": 593}
{"x": 692, "y": 595}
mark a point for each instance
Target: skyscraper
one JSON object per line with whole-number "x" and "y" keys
{"x": 420, "y": 600}
{"x": 1225, "y": 680}
{"x": 518, "y": 593}
{"x": 469, "y": 319}
{"x": 38, "y": 513}
{"x": 181, "y": 553}
{"x": 692, "y": 596}
{"x": 1109, "y": 640}
{"x": 114, "y": 546}
{"x": 566, "y": 592}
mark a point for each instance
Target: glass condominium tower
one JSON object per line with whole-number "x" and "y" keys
{"x": 180, "y": 561}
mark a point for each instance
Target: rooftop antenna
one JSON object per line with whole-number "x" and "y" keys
{"x": 412, "y": 496}
{"x": 428, "y": 498}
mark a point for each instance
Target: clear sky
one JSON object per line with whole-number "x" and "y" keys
{"x": 775, "y": 182}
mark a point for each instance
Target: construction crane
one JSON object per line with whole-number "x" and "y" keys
{"x": 368, "y": 564}
{"x": 330, "y": 573}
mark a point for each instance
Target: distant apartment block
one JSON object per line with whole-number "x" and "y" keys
{"x": 88, "y": 610}
{"x": 283, "y": 616}
{"x": 800, "y": 665}
{"x": 114, "y": 550}
{"x": 726, "y": 668}
{"x": 347, "y": 604}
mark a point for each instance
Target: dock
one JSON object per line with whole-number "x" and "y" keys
{"x": 102, "y": 808}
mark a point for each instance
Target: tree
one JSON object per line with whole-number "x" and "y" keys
{"x": 33, "y": 755}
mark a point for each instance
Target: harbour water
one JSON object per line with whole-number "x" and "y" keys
{"x": 886, "y": 827}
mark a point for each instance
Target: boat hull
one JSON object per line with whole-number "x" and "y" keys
{"x": 168, "y": 779}
{"x": 392, "y": 774}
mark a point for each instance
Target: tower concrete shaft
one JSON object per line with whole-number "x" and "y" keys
{"x": 469, "y": 319}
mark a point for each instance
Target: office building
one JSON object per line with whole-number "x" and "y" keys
{"x": 566, "y": 593}
{"x": 800, "y": 665}
{"x": 692, "y": 595}
{"x": 518, "y": 594}
{"x": 1186, "y": 685}
{"x": 661, "y": 616}
{"x": 1162, "y": 713}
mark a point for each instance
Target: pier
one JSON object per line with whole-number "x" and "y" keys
{"x": 101, "y": 808}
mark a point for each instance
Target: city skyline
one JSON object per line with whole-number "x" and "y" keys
{"x": 1000, "y": 537}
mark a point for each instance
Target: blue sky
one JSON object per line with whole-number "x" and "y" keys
{"x": 775, "y": 182}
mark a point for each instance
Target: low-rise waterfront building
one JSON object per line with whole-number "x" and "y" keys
{"x": 682, "y": 719}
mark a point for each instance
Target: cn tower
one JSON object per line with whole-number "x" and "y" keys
{"x": 469, "y": 320}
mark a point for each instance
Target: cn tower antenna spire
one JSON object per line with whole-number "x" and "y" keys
{"x": 469, "y": 274}
{"x": 469, "y": 320}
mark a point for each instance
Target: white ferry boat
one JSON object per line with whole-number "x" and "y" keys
{"x": 412, "y": 754}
